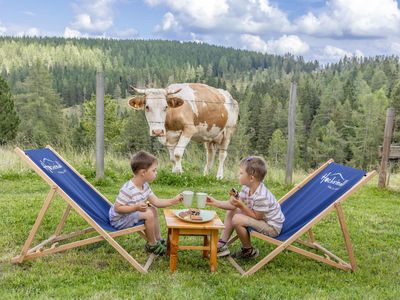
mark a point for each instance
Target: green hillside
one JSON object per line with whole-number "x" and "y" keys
{"x": 340, "y": 113}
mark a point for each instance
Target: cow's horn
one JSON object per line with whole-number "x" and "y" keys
{"x": 134, "y": 89}
{"x": 174, "y": 92}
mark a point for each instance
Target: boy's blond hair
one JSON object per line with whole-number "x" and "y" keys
{"x": 256, "y": 166}
{"x": 142, "y": 160}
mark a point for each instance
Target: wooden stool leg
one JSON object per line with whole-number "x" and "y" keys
{"x": 213, "y": 254}
{"x": 206, "y": 243}
{"x": 174, "y": 250}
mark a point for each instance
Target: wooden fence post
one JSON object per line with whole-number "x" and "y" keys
{"x": 291, "y": 132}
{"x": 386, "y": 146}
{"x": 99, "y": 124}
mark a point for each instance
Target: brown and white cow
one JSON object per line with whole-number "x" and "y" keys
{"x": 190, "y": 111}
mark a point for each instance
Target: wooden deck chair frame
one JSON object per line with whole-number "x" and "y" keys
{"x": 39, "y": 251}
{"x": 328, "y": 258}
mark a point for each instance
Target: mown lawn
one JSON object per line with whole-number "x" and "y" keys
{"x": 98, "y": 272}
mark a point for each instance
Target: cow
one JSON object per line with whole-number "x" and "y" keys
{"x": 189, "y": 111}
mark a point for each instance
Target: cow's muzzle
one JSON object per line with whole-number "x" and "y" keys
{"x": 158, "y": 132}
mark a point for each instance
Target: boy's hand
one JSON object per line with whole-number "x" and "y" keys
{"x": 235, "y": 202}
{"x": 142, "y": 206}
{"x": 210, "y": 201}
{"x": 178, "y": 198}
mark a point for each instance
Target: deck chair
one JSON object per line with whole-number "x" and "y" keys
{"x": 304, "y": 206}
{"x": 80, "y": 196}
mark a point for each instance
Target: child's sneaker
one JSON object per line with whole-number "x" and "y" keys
{"x": 222, "y": 249}
{"x": 246, "y": 253}
{"x": 158, "y": 249}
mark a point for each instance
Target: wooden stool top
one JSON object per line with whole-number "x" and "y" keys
{"x": 174, "y": 222}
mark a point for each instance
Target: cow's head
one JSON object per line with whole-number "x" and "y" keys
{"x": 155, "y": 103}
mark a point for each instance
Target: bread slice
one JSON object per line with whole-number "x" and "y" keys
{"x": 196, "y": 218}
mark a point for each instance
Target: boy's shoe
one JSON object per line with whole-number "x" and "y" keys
{"x": 223, "y": 251}
{"x": 246, "y": 253}
{"x": 157, "y": 249}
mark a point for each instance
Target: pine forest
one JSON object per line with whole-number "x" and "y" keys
{"x": 48, "y": 85}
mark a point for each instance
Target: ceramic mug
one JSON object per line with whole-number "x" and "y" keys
{"x": 187, "y": 198}
{"x": 201, "y": 199}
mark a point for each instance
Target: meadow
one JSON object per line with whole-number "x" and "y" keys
{"x": 97, "y": 271}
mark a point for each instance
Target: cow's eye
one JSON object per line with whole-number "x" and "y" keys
{"x": 165, "y": 108}
{"x": 147, "y": 108}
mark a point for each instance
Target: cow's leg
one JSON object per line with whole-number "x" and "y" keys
{"x": 171, "y": 140}
{"x": 223, "y": 148}
{"x": 171, "y": 153}
{"x": 180, "y": 149}
{"x": 210, "y": 154}
{"x": 221, "y": 159}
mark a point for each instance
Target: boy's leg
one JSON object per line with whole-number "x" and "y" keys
{"x": 240, "y": 222}
{"x": 148, "y": 218}
{"x": 157, "y": 230}
{"x": 227, "y": 232}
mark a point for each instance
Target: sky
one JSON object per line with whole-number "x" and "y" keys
{"x": 314, "y": 29}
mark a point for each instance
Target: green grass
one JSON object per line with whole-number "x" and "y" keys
{"x": 98, "y": 272}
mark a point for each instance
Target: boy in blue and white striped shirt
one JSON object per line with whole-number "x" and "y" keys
{"x": 254, "y": 207}
{"x": 130, "y": 206}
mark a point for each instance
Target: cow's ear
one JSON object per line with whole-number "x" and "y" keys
{"x": 174, "y": 101}
{"x": 137, "y": 102}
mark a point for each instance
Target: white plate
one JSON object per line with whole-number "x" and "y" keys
{"x": 207, "y": 215}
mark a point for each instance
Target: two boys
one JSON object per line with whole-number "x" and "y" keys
{"x": 255, "y": 206}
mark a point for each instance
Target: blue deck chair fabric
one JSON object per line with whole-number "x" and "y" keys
{"x": 76, "y": 188}
{"x": 320, "y": 192}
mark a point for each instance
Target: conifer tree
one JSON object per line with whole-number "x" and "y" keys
{"x": 240, "y": 143}
{"x": 134, "y": 135}
{"x": 112, "y": 123}
{"x": 301, "y": 141}
{"x": 277, "y": 149}
{"x": 117, "y": 91}
{"x": 40, "y": 110}
{"x": 327, "y": 144}
{"x": 265, "y": 125}
{"x": 253, "y": 119}
{"x": 9, "y": 120}
{"x": 394, "y": 99}
{"x": 349, "y": 92}
{"x": 370, "y": 123}
{"x": 378, "y": 80}
{"x": 309, "y": 100}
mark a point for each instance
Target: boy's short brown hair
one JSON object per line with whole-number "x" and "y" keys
{"x": 142, "y": 160}
{"x": 256, "y": 166}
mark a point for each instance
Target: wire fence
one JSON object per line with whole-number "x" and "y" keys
{"x": 200, "y": 101}
{"x": 193, "y": 124}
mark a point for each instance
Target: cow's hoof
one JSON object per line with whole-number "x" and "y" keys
{"x": 177, "y": 170}
{"x": 219, "y": 177}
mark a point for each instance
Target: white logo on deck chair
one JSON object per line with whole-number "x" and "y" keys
{"x": 52, "y": 166}
{"x": 335, "y": 181}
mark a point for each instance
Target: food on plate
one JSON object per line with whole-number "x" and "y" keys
{"x": 191, "y": 214}
{"x": 194, "y": 211}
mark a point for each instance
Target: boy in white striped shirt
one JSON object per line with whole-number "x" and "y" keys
{"x": 255, "y": 207}
{"x": 136, "y": 202}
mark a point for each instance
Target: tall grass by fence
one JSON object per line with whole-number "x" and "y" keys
{"x": 118, "y": 165}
